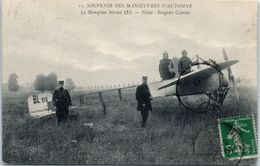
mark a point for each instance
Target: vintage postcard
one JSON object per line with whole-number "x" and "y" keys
{"x": 129, "y": 82}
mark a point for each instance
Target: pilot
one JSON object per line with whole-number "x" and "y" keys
{"x": 62, "y": 101}
{"x": 166, "y": 67}
{"x": 143, "y": 97}
{"x": 184, "y": 64}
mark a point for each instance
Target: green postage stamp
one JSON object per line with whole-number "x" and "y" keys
{"x": 238, "y": 137}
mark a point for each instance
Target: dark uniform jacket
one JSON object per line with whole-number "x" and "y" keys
{"x": 143, "y": 96}
{"x": 184, "y": 63}
{"x": 61, "y": 98}
{"x": 163, "y": 69}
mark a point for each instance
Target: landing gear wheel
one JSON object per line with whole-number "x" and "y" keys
{"x": 215, "y": 97}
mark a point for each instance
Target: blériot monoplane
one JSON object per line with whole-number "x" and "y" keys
{"x": 208, "y": 80}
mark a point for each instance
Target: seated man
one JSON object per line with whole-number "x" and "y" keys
{"x": 184, "y": 64}
{"x": 166, "y": 67}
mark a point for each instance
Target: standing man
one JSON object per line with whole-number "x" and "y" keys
{"x": 166, "y": 67}
{"x": 184, "y": 64}
{"x": 61, "y": 99}
{"x": 143, "y": 97}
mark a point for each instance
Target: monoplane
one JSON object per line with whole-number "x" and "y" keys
{"x": 208, "y": 79}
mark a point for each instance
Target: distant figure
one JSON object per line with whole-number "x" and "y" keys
{"x": 61, "y": 99}
{"x": 143, "y": 97}
{"x": 166, "y": 68}
{"x": 184, "y": 64}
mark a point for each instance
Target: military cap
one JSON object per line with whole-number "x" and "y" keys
{"x": 183, "y": 52}
{"x": 165, "y": 53}
{"x": 61, "y": 82}
{"x": 144, "y": 77}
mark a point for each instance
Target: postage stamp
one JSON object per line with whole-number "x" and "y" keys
{"x": 238, "y": 137}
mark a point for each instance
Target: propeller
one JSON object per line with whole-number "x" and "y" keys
{"x": 230, "y": 74}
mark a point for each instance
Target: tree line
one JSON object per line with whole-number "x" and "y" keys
{"x": 50, "y": 83}
{"x": 42, "y": 83}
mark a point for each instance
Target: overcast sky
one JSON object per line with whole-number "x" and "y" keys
{"x": 43, "y": 36}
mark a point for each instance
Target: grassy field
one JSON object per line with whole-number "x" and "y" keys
{"x": 172, "y": 135}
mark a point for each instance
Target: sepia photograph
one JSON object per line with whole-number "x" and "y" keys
{"x": 129, "y": 82}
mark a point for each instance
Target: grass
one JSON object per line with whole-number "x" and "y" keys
{"x": 172, "y": 135}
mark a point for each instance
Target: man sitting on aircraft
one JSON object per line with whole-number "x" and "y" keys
{"x": 61, "y": 99}
{"x": 166, "y": 67}
{"x": 184, "y": 64}
{"x": 143, "y": 97}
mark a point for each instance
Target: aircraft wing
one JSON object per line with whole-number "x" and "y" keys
{"x": 199, "y": 81}
{"x": 108, "y": 90}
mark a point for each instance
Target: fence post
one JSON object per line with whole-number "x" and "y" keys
{"x": 102, "y": 102}
{"x": 119, "y": 94}
{"x": 81, "y": 100}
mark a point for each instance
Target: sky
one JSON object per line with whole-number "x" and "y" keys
{"x": 43, "y": 36}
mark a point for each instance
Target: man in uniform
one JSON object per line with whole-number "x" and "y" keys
{"x": 61, "y": 99}
{"x": 166, "y": 67}
{"x": 184, "y": 64}
{"x": 143, "y": 97}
